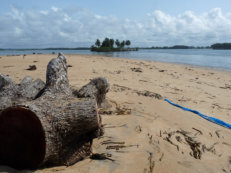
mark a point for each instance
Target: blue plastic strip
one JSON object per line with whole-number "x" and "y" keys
{"x": 211, "y": 119}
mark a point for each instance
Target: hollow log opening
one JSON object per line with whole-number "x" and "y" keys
{"x": 22, "y": 138}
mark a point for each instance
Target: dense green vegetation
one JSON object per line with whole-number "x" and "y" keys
{"x": 180, "y": 47}
{"x": 221, "y": 46}
{"x": 107, "y": 45}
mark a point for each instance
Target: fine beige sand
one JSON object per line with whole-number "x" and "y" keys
{"x": 144, "y": 134}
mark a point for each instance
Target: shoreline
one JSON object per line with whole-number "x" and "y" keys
{"x": 214, "y": 59}
{"x": 172, "y": 63}
{"x": 147, "y": 123}
{"x": 183, "y": 64}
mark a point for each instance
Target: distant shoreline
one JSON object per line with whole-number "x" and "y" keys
{"x": 25, "y": 49}
{"x": 207, "y": 58}
{"x": 87, "y": 48}
{"x": 221, "y": 46}
{"x": 149, "y": 60}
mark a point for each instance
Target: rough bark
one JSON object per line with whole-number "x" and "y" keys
{"x": 45, "y": 124}
{"x": 29, "y": 89}
{"x": 96, "y": 88}
{"x": 10, "y": 93}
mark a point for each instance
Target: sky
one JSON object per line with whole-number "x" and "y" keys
{"x": 78, "y": 23}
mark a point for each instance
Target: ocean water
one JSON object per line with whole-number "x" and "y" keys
{"x": 218, "y": 59}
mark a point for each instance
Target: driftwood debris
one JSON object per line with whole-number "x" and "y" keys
{"x": 45, "y": 124}
{"x": 31, "y": 67}
{"x": 96, "y": 88}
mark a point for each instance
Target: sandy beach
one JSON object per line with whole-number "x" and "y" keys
{"x": 142, "y": 132}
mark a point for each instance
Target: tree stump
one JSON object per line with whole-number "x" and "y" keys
{"x": 45, "y": 124}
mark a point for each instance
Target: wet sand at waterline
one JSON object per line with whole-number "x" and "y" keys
{"x": 142, "y": 132}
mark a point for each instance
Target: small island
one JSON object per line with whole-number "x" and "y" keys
{"x": 107, "y": 45}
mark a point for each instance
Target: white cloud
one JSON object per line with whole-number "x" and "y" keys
{"x": 44, "y": 12}
{"x": 79, "y": 27}
{"x": 18, "y": 31}
{"x": 66, "y": 18}
{"x": 98, "y": 16}
{"x": 55, "y": 9}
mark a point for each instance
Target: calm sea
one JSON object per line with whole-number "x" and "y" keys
{"x": 219, "y": 59}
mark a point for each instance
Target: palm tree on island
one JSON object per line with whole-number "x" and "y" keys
{"x": 97, "y": 43}
{"x": 128, "y": 42}
{"x": 107, "y": 45}
{"x": 117, "y": 42}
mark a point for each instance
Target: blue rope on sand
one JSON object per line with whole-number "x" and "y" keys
{"x": 211, "y": 119}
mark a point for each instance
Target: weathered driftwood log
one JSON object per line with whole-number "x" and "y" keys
{"x": 45, "y": 124}
{"x": 96, "y": 88}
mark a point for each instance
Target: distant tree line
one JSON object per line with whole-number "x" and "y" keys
{"x": 221, "y": 46}
{"x": 214, "y": 46}
{"x": 108, "y": 45}
{"x": 180, "y": 47}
